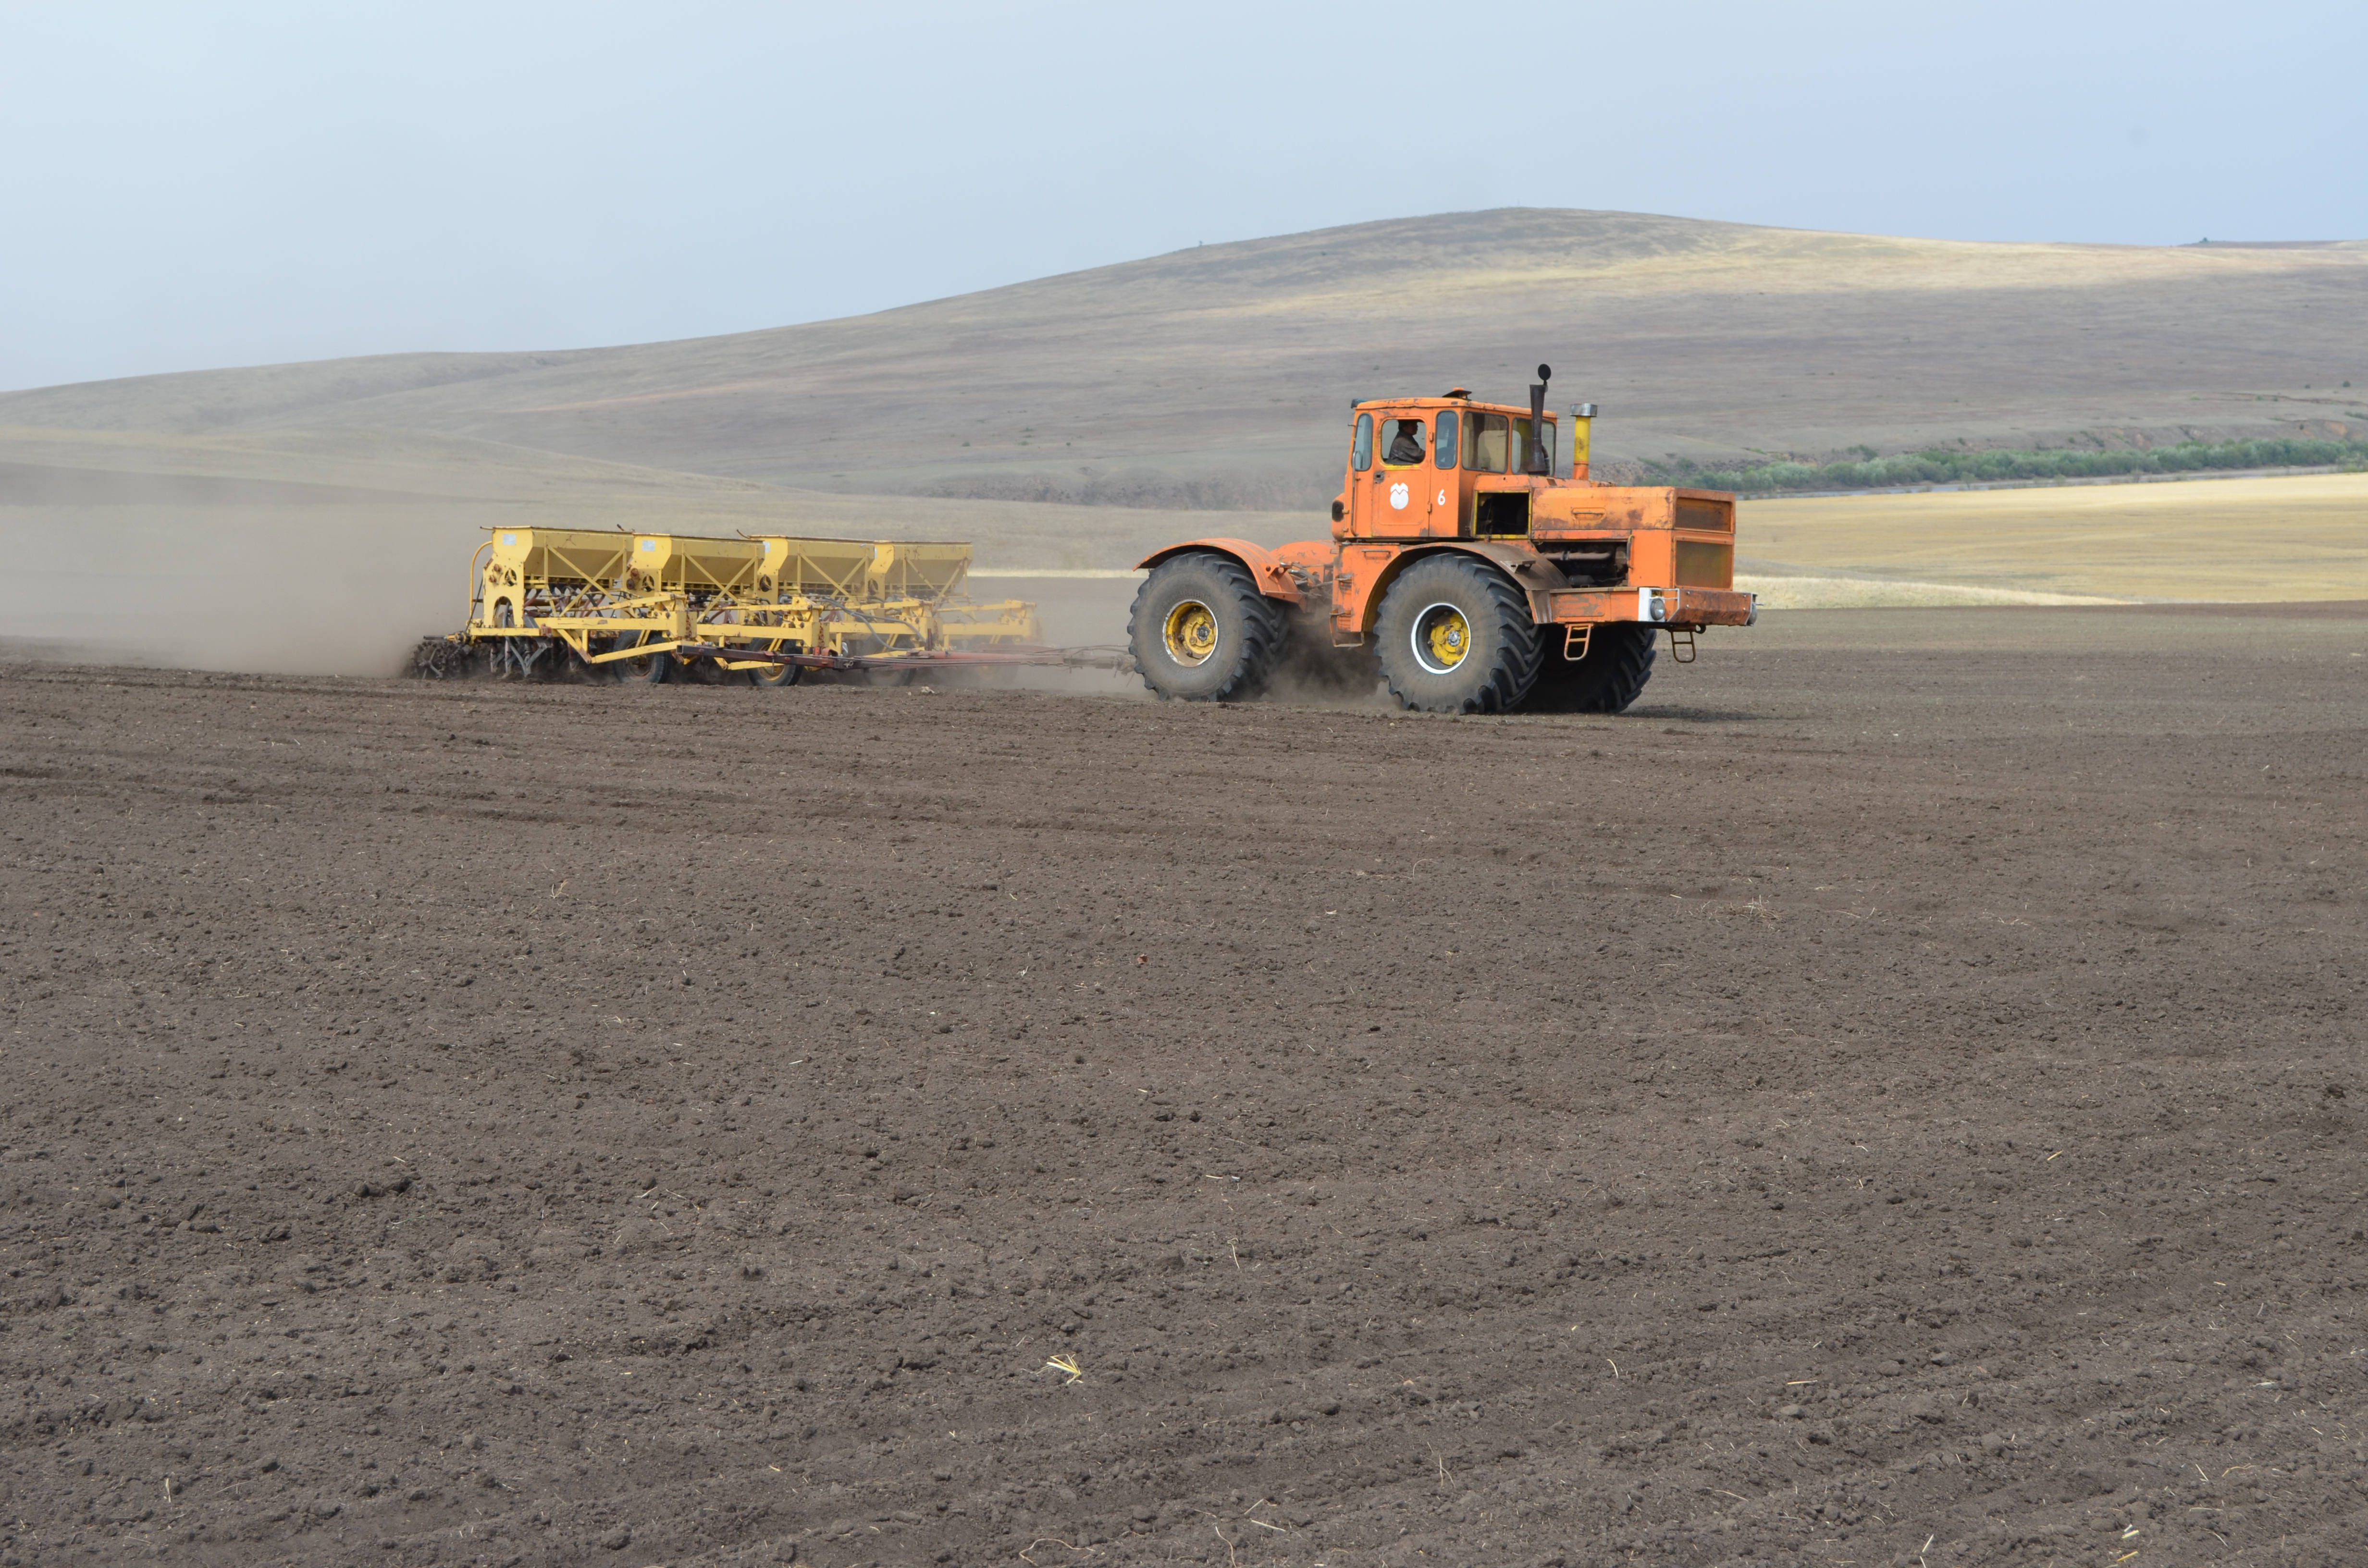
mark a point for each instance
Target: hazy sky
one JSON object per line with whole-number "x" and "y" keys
{"x": 198, "y": 184}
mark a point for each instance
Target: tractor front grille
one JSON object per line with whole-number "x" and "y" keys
{"x": 1703, "y": 565}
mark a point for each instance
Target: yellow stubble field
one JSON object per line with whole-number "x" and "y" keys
{"x": 2300, "y": 538}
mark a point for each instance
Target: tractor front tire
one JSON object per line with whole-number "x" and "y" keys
{"x": 1455, "y": 637}
{"x": 1619, "y": 662}
{"x": 1202, "y": 632}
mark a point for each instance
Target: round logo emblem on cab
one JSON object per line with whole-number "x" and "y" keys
{"x": 1397, "y": 497}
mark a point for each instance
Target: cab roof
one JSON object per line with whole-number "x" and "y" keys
{"x": 1374, "y": 405}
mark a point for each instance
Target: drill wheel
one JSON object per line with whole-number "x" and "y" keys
{"x": 656, "y": 668}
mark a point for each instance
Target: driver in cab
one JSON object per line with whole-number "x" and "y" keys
{"x": 1406, "y": 447}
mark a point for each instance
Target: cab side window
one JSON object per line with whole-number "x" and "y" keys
{"x": 1361, "y": 458}
{"x": 1489, "y": 443}
{"x": 1401, "y": 443}
{"x": 1445, "y": 445}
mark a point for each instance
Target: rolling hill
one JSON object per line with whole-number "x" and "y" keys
{"x": 1217, "y": 377}
{"x": 321, "y": 515}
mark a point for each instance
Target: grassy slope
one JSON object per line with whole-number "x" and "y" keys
{"x": 1219, "y": 376}
{"x": 318, "y": 516}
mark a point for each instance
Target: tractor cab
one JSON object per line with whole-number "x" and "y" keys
{"x": 1450, "y": 468}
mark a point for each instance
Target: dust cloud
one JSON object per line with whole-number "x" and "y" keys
{"x": 198, "y": 572}
{"x": 342, "y": 567}
{"x": 232, "y": 584}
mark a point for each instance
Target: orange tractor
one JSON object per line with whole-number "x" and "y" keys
{"x": 1461, "y": 569}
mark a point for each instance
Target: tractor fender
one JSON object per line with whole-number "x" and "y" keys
{"x": 1266, "y": 568}
{"x": 1532, "y": 574}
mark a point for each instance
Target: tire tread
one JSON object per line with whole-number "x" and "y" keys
{"x": 1265, "y": 628}
{"x": 1523, "y": 649}
{"x": 1619, "y": 662}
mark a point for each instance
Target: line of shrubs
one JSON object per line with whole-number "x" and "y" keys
{"x": 1871, "y": 472}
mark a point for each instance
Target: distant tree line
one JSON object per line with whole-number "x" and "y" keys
{"x": 1938, "y": 466}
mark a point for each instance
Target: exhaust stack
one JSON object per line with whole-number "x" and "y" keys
{"x": 1541, "y": 461}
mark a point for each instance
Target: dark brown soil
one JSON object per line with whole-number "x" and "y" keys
{"x": 1899, "y": 1085}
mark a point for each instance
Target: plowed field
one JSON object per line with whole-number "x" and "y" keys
{"x": 1894, "y": 1095}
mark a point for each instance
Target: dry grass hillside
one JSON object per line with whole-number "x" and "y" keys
{"x": 319, "y": 517}
{"x": 1217, "y": 377}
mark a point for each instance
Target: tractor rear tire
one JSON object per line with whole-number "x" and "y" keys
{"x": 1619, "y": 662}
{"x": 1202, "y": 632}
{"x": 1455, "y": 637}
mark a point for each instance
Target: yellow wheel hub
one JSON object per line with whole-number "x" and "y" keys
{"x": 1191, "y": 632}
{"x": 1444, "y": 636}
